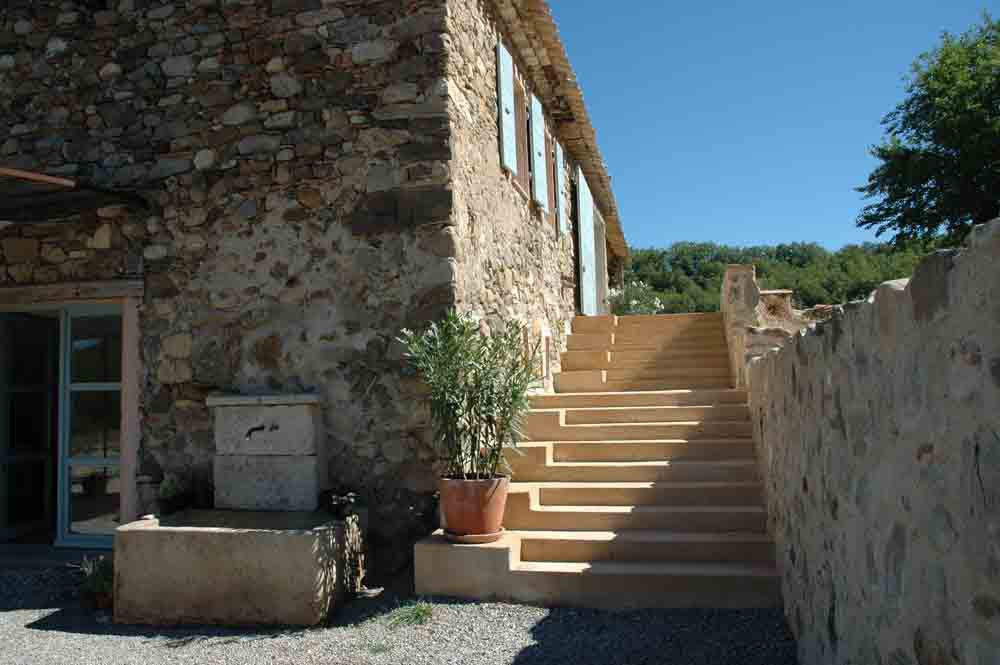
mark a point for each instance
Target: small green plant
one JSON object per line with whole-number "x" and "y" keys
{"x": 98, "y": 581}
{"x": 377, "y": 648}
{"x": 478, "y": 390}
{"x": 174, "y": 494}
{"x": 98, "y": 574}
{"x": 411, "y": 614}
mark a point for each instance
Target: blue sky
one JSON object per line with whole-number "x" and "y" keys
{"x": 746, "y": 123}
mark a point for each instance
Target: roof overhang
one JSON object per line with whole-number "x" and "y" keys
{"x": 533, "y": 30}
{"x": 30, "y": 197}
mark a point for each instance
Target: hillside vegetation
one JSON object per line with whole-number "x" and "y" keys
{"x": 687, "y": 276}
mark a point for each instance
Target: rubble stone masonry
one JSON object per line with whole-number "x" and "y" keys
{"x": 879, "y": 436}
{"x": 512, "y": 259}
{"x": 300, "y": 161}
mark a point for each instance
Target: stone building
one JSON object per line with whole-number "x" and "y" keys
{"x": 256, "y": 196}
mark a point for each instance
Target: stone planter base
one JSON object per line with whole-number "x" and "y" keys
{"x": 236, "y": 568}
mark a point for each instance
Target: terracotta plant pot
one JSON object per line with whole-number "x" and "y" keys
{"x": 473, "y": 509}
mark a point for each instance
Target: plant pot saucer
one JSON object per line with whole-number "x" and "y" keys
{"x": 474, "y": 538}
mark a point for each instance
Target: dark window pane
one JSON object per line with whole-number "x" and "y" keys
{"x": 25, "y": 481}
{"x": 94, "y": 500}
{"x": 96, "y": 348}
{"x": 33, "y": 337}
{"x": 95, "y": 424}
{"x": 27, "y": 346}
{"x": 29, "y": 421}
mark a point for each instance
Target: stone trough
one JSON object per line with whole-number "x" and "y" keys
{"x": 269, "y": 557}
{"x": 236, "y": 568}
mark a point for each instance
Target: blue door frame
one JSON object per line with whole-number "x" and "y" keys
{"x": 67, "y": 389}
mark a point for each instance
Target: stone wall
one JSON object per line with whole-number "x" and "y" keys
{"x": 755, "y": 321}
{"x": 512, "y": 260}
{"x": 298, "y": 160}
{"x": 879, "y": 436}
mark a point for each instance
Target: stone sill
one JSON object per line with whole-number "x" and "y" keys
{"x": 261, "y": 400}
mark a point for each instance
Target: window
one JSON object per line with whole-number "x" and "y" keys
{"x": 550, "y": 168}
{"x": 522, "y": 121}
{"x": 528, "y": 150}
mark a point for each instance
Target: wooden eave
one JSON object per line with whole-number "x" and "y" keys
{"x": 30, "y": 197}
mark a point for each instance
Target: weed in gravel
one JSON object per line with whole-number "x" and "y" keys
{"x": 411, "y": 614}
{"x": 377, "y": 648}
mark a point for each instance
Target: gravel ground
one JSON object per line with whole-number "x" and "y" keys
{"x": 42, "y": 622}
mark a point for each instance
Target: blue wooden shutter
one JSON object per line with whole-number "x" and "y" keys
{"x": 505, "y": 99}
{"x": 588, "y": 256}
{"x": 560, "y": 190}
{"x": 539, "y": 179}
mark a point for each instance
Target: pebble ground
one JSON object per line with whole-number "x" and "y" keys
{"x": 42, "y": 622}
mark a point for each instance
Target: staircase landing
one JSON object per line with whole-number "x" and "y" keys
{"x": 637, "y": 486}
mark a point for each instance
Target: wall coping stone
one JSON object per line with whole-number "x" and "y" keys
{"x": 213, "y": 401}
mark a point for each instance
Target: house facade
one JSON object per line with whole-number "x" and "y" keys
{"x": 256, "y": 197}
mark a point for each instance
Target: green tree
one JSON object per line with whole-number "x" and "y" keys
{"x": 940, "y": 160}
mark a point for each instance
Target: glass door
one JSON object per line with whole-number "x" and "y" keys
{"x": 90, "y": 432}
{"x": 28, "y": 390}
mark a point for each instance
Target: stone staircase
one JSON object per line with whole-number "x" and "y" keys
{"x": 637, "y": 487}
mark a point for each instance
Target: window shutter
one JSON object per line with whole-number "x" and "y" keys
{"x": 560, "y": 190}
{"x": 505, "y": 99}
{"x": 585, "y": 246}
{"x": 539, "y": 180}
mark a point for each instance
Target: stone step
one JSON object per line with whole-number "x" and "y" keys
{"x": 647, "y": 585}
{"x": 536, "y": 463}
{"x": 594, "y": 324}
{"x": 639, "y": 451}
{"x": 659, "y": 384}
{"x": 655, "y": 372}
{"x": 647, "y": 546}
{"x": 609, "y": 324}
{"x": 635, "y": 398}
{"x": 524, "y": 513}
{"x": 496, "y": 570}
{"x": 671, "y": 341}
{"x": 548, "y": 426}
{"x": 604, "y": 381}
{"x": 713, "y": 493}
{"x": 667, "y": 319}
{"x": 655, "y": 414}
{"x": 648, "y": 358}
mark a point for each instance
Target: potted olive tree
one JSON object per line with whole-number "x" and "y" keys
{"x": 478, "y": 387}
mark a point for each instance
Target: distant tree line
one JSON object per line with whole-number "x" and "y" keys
{"x": 687, "y": 276}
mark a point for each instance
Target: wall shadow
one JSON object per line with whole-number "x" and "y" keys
{"x": 692, "y": 637}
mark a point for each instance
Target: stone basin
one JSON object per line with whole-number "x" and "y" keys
{"x": 236, "y": 568}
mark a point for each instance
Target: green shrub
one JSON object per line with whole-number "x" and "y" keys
{"x": 635, "y": 297}
{"x": 478, "y": 390}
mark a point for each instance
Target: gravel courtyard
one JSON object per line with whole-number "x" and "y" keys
{"x": 43, "y": 623}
